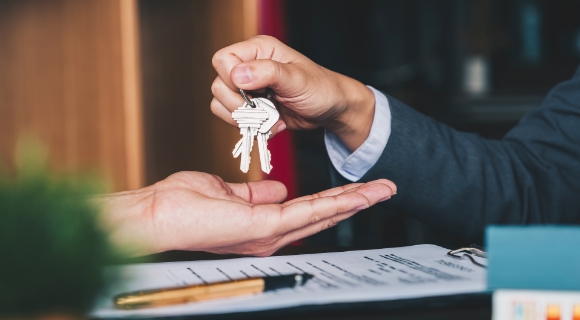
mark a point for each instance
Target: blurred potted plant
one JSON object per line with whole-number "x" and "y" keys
{"x": 52, "y": 249}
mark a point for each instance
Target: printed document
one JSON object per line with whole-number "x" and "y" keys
{"x": 353, "y": 276}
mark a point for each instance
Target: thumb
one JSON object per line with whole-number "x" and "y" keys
{"x": 260, "y": 192}
{"x": 259, "y": 74}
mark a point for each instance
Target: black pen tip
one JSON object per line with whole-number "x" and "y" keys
{"x": 286, "y": 281}
{"x": 306, "y": 277}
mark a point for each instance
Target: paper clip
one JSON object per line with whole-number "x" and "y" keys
{"x": 468, "y": 252}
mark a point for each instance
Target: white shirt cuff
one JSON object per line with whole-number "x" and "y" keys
{"x": 354, "y": 165}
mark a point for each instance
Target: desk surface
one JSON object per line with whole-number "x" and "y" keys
{"x": 472, "y": 307}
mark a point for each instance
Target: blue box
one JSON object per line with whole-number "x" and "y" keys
{"x": 533, "y": 257}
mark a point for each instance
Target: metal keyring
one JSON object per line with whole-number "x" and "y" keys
{"x": 248, "y": 101}
{"x": 269, "y": 94}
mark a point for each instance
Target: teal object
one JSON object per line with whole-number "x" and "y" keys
{"x": 533, "y": 257}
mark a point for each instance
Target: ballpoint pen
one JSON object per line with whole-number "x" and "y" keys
{"x": 186, "y": 294}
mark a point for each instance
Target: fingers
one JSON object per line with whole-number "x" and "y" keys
{"x": 345, "y": 188}
{"x": 261, "y": 47}
{"x": 222, "y": 112}
{"x": 389, "y": 183}
{"x": 226, "y": 101}
{"x": 285, "y": 79}
{"x": 325, "y": 215}
{"x": 314, "y": 228}
{"x": 302, "y": 213}
{"x": 260, "y": 192}
{"x": 264, "y": 62}
{"x": 274, "y": 226}
{"x": 278, "y": 127}
{"x": 304, "y": 218}
{"x": 227, "y": 97}
{"x": 326, "y": 193}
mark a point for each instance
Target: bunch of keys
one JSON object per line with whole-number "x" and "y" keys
{"x": 255, "y": 118}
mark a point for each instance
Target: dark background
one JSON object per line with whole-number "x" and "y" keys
{"x": 417, "y": 51}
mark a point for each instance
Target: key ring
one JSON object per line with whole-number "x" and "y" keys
{"x": 248, "y": 101}
{"x": 269, "y": 94}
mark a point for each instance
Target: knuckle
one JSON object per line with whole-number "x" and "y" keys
{"x": 314, "y": 219}
{"x": 218, "y": 58}
{"x": 221, "y": 58}
{"x": 215, "y": 86}
{"x": 215, "y": 107}
{"x": 329, "y": 224}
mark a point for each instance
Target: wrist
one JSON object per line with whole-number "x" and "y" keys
{"x": 353, "y": 124}
{"x": 126, "y": 215}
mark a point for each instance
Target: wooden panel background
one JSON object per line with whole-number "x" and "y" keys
{"x": 69, "y": 76}
{"x": 179, "y": 38}
{"x": 122, "y": 86}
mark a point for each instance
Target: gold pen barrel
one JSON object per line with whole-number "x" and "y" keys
{"x": 180, "y": 295}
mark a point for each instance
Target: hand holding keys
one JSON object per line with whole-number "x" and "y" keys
{"x": 255, "y": 118}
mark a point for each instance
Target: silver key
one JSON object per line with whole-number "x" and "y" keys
{"x": 249, "y": 121}
{"x": 264, "y": 132}
{"x": 265, "y": 154}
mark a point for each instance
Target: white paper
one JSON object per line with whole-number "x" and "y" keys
{"x": 353, "y": 276}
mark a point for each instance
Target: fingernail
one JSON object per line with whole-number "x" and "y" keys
{"x": 364, "y": 206}
{"x": 385, "y": 199}
{"x": 243, "y": 74}
{"x": 281, "y": 127}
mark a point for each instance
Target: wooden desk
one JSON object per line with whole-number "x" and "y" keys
{"x": 474, "y": 307}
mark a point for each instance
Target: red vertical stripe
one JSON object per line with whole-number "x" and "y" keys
{"x": 272, "y": 22}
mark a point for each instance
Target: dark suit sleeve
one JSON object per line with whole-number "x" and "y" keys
{"x": 463, "y": 182}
